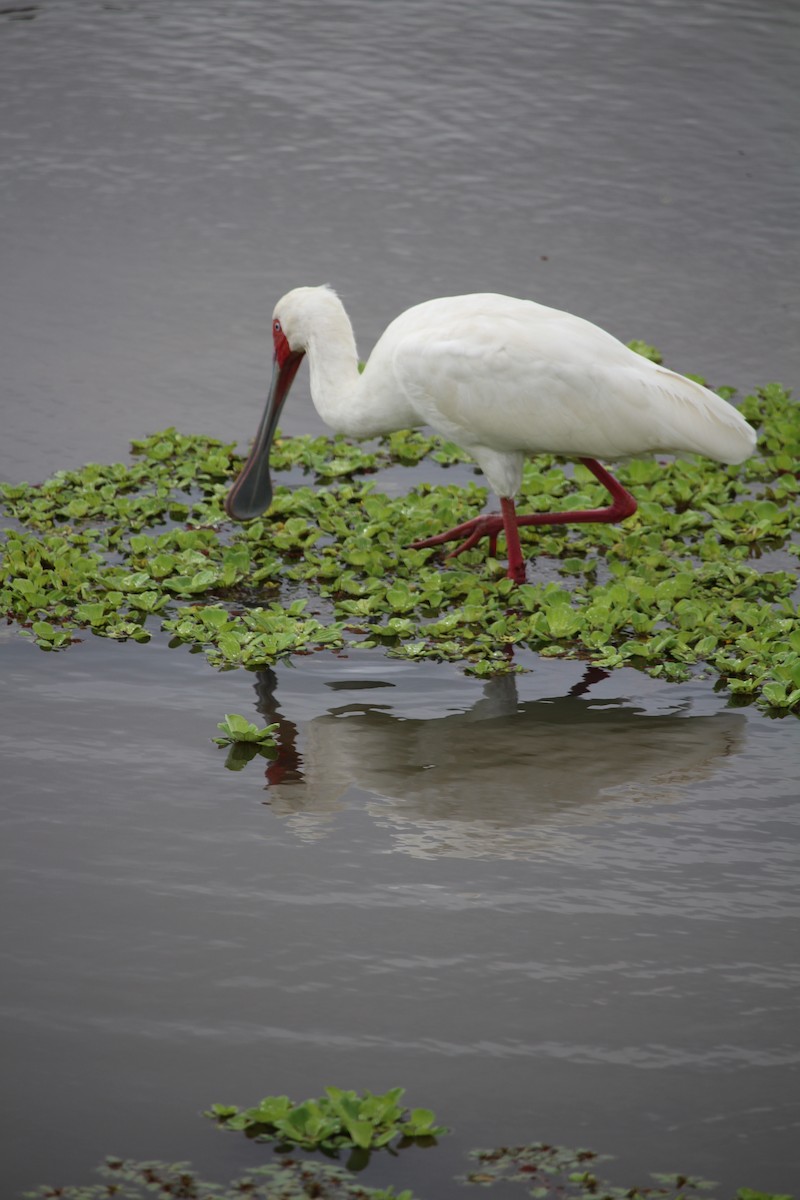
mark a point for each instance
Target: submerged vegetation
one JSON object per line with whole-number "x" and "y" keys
{"x": 702, "y": 577}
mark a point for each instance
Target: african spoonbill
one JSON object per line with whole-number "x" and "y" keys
{"x": 503, "y": 378}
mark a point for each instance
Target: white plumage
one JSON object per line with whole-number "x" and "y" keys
{"x": 501, "y": 377}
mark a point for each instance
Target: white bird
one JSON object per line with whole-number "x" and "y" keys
{"x": 503, "y": 378}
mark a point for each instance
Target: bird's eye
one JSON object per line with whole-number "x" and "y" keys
{"x": 276, "y": 326}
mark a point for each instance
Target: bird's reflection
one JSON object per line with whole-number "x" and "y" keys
{"x": 487, "y": 781}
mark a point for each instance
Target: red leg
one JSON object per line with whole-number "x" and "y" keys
{"x": 491, "y": 524}
{"x": 623, "y": 505}
{"x": 516, "y": 563}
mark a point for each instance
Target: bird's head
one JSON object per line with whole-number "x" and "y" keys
{"x": 302, "y": 316}
{"x": 299, "y": 316}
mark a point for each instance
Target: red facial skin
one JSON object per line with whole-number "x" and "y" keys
{"x": 281, "y": 344}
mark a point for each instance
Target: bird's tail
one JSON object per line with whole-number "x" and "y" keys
{"x": 708, "y": 424}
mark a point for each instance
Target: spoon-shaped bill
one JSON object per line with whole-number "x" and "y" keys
{"x": 251, "y": 494}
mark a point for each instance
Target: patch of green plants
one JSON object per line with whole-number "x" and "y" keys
{"x": 245, "y": 740}
{"x": 646, "y": 350}
{"x": 538, "y": 1170}
{"x": 702, "y": 579}
{"x": 238, "y": 730}
{"x": 339, "y": 1119}
{"x": 550, "y": 1172}
{"x": 288, "y": 1179}
{"x": 362, "y": 1122}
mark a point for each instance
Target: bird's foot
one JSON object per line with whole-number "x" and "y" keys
{"x": 488, "y": 525}
{"x": 491, "y": 524}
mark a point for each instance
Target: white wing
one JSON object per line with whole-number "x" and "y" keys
{"x": 509, "y": 376}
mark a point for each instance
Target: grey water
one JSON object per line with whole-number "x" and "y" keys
{"x": 562, "y": 907}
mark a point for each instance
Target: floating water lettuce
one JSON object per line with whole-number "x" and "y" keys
{"x": 701, "y": 578}
{"x": 337, "y": 1119}
{"x": 236, "y": 728}
{"x": 560, "y": 1173}
{"x": 289, "y": 1179}
{"x": 538, "y": 1169}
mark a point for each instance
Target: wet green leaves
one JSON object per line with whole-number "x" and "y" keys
{"x": 560, "y": 1173}
{"x": 646, "y": 350}
{"x": 245, "y": 740}
{"x": 289, "y": 1179}
{"x": 549, "y": 1172}
{"x": 236, "y": 728}
{"x": 537, "y": 1169}
{"x": 339, "y": 1119}
{"x": 701, "y": 578}
{"x": 252, "y": 637}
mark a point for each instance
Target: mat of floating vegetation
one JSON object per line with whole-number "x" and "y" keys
{"x": 701, "y": 578}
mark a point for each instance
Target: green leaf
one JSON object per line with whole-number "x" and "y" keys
{"x": 750, "y": 1194}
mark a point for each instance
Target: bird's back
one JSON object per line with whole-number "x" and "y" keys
{"x": 511, "y": 375}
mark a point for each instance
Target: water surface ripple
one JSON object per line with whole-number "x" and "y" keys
{"x": 549, "y": 912}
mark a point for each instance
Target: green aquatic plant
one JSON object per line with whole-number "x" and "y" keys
{"x": 538, "y": 1170}
{"x": 646, "y": 350}
{"x": 363, "y": 1122}
{"x": 333, "y": 1121}
{"x": 701, "y": 579}
{"x": 288, "y": 1179}
{"x": 245, "y": 740}
{"x": 550, "y": 1172}
{"x": 237, "y": 729}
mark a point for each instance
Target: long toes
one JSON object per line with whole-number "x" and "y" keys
{"x": 476, "y": 528}
{"x": 471, "y": 541}
{"x": 438, "y": 539}
{"x": 450, "y": 535}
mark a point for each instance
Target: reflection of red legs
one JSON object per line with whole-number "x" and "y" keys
{"x": 286, "y": 768}
{"x": 508, "y": 521}
{"x": 590, "y": 677}
{"x": 286, "y": 765}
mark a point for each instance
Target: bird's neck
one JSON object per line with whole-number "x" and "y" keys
{"x": 335, "y": 381}
{"x": 357, "y": 405}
